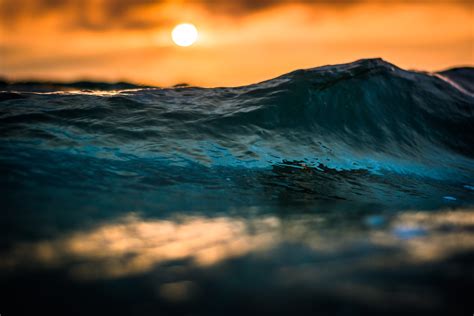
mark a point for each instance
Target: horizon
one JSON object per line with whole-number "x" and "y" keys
{"x": 239, "y": 43}
{"x": 41, "y": 81}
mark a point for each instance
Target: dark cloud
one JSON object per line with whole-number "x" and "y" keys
{"x": 247, "y": 6}
{"x": 109, "y": 14}
{"x": 115, "y": 14}
{"x": 86, "y": 14}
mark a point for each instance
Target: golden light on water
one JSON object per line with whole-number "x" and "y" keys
{"x": 133, "y": 245}
{"x": 184, "y": 34}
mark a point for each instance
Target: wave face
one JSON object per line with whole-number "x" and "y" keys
{"x": 339, "y": 188}
{"x": 365, "y": 131}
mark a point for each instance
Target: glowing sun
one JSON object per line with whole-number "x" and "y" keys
{"x": 184, "y": 34}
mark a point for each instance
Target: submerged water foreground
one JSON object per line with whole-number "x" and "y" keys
{"x": 338, "y": 190}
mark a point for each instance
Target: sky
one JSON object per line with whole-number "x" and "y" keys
{"x": 240, "y": 41}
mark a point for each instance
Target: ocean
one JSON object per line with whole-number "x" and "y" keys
{"x": 338, "y": 190}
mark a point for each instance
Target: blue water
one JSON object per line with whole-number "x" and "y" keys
{"x": 295, "y": 187}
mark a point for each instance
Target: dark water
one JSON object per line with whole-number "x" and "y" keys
{"x": 337, "y": 190}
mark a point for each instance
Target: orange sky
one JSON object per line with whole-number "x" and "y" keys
{"x": 241, "y": 41}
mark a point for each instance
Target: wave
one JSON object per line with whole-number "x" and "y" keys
{"x": 367, "y": 118}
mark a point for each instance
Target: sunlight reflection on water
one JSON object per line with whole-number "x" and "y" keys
{"x": 133, "y": 245}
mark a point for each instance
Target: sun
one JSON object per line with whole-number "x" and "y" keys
{"x": 184, "y": 34}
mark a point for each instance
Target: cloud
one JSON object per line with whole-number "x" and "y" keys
{"x": 81, "y": 14}
{"x": 99, "y": 15}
